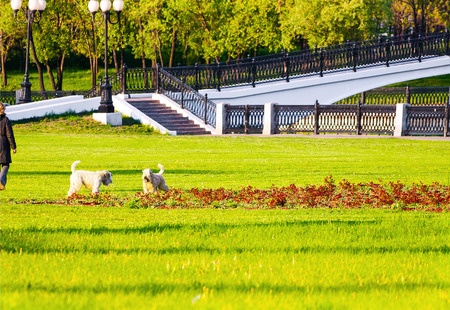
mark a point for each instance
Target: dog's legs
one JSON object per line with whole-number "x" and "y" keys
{"x": 74, "y": 188}
{"x": 144, "y": 186}
{"x": 96, "y": 187}
{"x": 164, "y": 187}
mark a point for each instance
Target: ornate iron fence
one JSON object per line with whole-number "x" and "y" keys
{"x": 137, "y": 80}
{"x": 186, "y": 97}
{"x": 348, "y": 56}
{"x": 358, "y": 119}
{"x": 351, "y": 119}
{"x": 248, "y": 119}
{"x": 394, "y": 95}
{"x": 377, "y": 119}
{"x": 9, "y": 97}
{"x": 427, "y": 120}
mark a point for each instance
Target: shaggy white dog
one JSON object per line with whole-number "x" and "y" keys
{"x": 90, "y": 179}
{"x": 151, "y": 182}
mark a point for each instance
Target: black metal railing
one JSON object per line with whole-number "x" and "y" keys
{"x": 394, "y": 95}
{"x": 136, "y": 80}
{"x": 357, "y": 119}
{"x": 247, "y": 119}
{"x": 186, "y": 96}
{"x": 427, "y": 120}
{"x": 9, "y": 97}
{"x": 285, "y": 66}
{"x": 349, "y": 119}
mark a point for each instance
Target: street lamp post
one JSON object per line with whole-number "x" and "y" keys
{"x": 34, "y": 6}
{"x": 106, "y": 103}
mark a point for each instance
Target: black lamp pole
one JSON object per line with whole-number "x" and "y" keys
{"x": 25, "y": 93}
{"x": 33, "y": 7}
{"x": 106, "y": 102}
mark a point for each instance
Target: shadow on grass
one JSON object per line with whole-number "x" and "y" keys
{"x": 126, "y": 121}
{"x": 160, "y": 287}
{"x": 120, "y": 172}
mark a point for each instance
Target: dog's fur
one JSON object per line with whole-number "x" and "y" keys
{"x": 90, "y": 179}
{"x": 151, "y": 182}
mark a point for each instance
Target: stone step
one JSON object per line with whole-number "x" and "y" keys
{"x": 167, "y": 117}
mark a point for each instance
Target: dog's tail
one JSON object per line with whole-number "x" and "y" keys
{"x": 161, "y": 169}
{"x": 74, "y": 165}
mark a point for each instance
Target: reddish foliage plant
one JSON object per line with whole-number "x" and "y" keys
{"x": 434, "y": 197}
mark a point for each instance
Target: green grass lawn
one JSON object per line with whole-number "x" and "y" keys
{"x": 120, "y": 258}
{"x": 73, "y": 80}
{"x": 59, "y": 256}
{"x": 43, "y": 161}
{"x": 45, "y": 153}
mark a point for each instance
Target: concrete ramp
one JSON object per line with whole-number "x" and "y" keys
{"x": 52, "y": 106}
{"x": 330, "y": 88}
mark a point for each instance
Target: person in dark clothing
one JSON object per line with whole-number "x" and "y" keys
{"x": 7, "y": 142}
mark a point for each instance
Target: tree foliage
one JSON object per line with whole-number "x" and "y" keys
{"x": 172, "y": 32}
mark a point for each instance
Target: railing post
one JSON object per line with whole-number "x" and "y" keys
{"x": 246, "y": 118}
{"x": 145, "y": 73}
{"x": 316, "y": 117}
{"x": 420, "y": 43}
{"x": 348, "y": 53}
{"x": 249, "y": 69}
{"x": 400, "y": 121}
{"x": 206, "y": 109}
{"x": 363, "y": 97}
{"x": 253, "y": 72}
{"x": 158, "y": 81}
{"x": 218, "y": 76}
{"x": 355, "y": 57}
{"x": 358, "y": 118}
{"x": 408, "y": 94}
{"x": 196, "y": 77}
{"x": 182, "y": 92}
{"x": 388, "y": 51}
{"x": 220, "y": 118}
{"x": 447, "y": 42}
{"x": 322, "y": 58}
{"x": 269, "y": 119}
{"x": 124, "y": 78}
{"x": 287, "y": 66}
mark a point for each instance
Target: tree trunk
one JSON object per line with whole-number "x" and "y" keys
{"x": 38, "y": 67}
{"x": 172, "y": 49}
{"x": 50, "y": 75}
{"x": 116, "y": 61}
{"x": 3, "y": 55}
{"x": 60, "y": 72}
{"x": 158, "y": 49}
{"x": 93, "y": 64}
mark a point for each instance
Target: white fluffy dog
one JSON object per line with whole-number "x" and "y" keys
{"x": 151, "y": 182}
{"x": 90, "y": 179}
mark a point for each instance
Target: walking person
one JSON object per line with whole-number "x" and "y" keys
{"x": 7, "y": 143}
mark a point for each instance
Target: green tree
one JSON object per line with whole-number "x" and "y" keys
{"x": 203, "y": 35}
{"x": 87, "y": 36}
{"x": 145, "y": 18}
{"x": 52, "y": 38}
{"x": 420, "y": 16}
{"x": 332, "y": 22}
{"x": 9, "y": 36}
{"x": 252, "y": 24}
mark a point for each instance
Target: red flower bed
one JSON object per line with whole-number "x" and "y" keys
{"x": 328, "y": 195}
{"x": 434, "y": 197}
